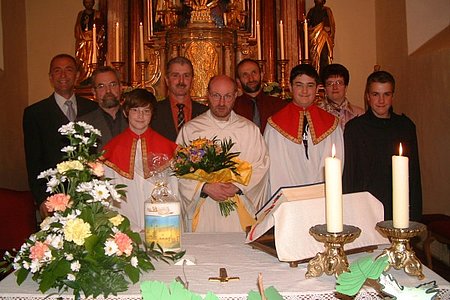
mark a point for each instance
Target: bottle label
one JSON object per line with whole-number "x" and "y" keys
{"x": 162, "y": 225}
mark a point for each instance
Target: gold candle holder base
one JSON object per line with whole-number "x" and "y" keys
{"x": 118, "y": 65}
{"x": 400, "y": 254}
{"x": 143, "y": 68}
{"x": 306, "y": 61}
{"x": 283, "y": 63}
{"x": 333, "y": 260}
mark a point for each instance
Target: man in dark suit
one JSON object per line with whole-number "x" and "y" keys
{"x": 254, "y": 104}
{"x": 41, "y": 121}
{"x": 178, "y": 108}
{"x": 108, "y": 117}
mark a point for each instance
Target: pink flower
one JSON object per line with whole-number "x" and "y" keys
{"x": 38, "y": 251}
{"x": 123, "y": 242}
{"x": 57, "y": 202}
{"x": 97, "y": 168}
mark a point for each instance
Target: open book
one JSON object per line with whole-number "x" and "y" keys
{"x": 292, "y": 193}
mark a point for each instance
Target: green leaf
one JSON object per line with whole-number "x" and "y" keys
{"x": 21, "y": 275}
{"x": 349, "y": 283}
{"x": 132, "y": 273}
{"x": 271, "y": 293}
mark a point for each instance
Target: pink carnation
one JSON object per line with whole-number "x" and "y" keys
{"x": 97, "y": 169}
{"x": 57, "y": 202}
{"x": 38, "y": 251}
{"x": 123, "y": 242}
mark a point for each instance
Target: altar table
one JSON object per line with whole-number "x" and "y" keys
{"x": 215, "y": 250}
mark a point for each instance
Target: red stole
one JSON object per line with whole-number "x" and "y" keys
{"x": 289, "y": 122}
{"x": 120, "y": 152}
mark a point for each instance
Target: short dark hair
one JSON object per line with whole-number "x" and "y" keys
{"x": 335, "y": 70}
{"x": 139, "y": 98}
{"x": 246, "y": 60}
{"x": 382, "y": 77}
{"x": 104, "y": 69}
{"x": 304, "y": 69}
{"x": 63, "y": 55}
{"x": 179, "y": 60}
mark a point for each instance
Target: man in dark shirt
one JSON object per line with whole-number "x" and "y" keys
{"x": 108, "y": 118}
{"x": 253, "y": 104}
{"x": 370, "y": 142}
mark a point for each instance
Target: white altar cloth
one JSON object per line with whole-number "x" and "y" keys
{"x": 215, "y": 250}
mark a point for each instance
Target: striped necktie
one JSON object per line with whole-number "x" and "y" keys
{"x": 71, "y": 115}
{"x": 180, "y": 116}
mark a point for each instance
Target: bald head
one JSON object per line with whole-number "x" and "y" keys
{"x": 222, "y": 92}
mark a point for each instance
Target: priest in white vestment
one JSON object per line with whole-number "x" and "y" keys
{"x": 199, "y": 199}
{"x": 301, "y": 135}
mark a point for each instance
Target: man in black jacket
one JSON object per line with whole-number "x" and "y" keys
{"x": 41, "y": 121}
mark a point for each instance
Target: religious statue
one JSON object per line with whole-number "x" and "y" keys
{"x": 84, "y": 43}
{"x": 321, "y": 28}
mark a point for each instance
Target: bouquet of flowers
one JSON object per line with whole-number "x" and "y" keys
{"x": 212, "y": 161}
{"x": 84, "y": 245}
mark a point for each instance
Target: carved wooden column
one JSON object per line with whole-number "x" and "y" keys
{"x": 269, "y": 38}
{"x": 290, "y": 11}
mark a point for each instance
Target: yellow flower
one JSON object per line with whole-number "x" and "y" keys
{"x": 69, "y": 165}
{"x": 117, "y": 220}
{"x": 76, "y": 230}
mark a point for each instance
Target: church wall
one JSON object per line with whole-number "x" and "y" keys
{"x": 13, "y": 99}
{"x": 50, "y": 31}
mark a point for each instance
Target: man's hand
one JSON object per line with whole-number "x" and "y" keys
{"x": 220, "y": 191}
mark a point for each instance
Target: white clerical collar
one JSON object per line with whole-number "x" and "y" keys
{"x": 221, "y": 123}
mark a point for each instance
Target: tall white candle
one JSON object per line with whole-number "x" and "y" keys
{"x": 305, "y": 31}
{"x": 94, "y": 44}
{"x": 141, "y": 42}
{"x": 281, "y": 40}
{"x": 333, "y": 193}
{"x": 400, "y": 190}
{"x": 117, "y": 58}
{"x": 225, "y": 21}
{"x": 258, "y": 39}
{"x": 243, "y": 5}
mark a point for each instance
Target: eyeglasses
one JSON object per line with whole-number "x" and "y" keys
{"x": 337, "y": 83}
{"x": 218, "y": 97}
{"x": 140, "y": 110}
{"x": 103, "y": 87}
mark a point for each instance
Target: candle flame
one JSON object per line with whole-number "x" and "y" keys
{"x": 333, "y": 151}
{"x": 400, "y": 150}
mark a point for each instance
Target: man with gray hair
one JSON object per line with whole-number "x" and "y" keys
{"x": 108, "y": 117}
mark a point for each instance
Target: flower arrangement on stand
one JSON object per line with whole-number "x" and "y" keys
{"x": 212, "y": 161}
{"x": 84, "y": 241}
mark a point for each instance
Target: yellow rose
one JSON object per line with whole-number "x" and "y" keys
{"x": 117, "y": 220}
{"x": 69, "y": 165}
{"x": 76, "y": 231}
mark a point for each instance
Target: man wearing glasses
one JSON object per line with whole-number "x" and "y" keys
{"x": 301, "y": 135}
{"x": 108, "y": 117}
{"x": 200, "y": 199}
{"x": 335, "y": 78}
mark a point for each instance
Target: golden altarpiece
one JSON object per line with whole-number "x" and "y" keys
{"x": 214, "y": 34}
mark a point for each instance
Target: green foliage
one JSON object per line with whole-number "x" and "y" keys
{"x": 158, "y": 290}
{"x": 349, "y": 283}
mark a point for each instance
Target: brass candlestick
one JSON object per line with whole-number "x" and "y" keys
{"x": 333, "y": 260}
{"x": 143, "y": 68}
{"x": 283, "y": 63}
{"x": 118, "y": 65}
{"x": 305, "y": 61}
{"x": 400, "y": 254}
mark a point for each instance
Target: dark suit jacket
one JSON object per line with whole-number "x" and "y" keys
{"x": 43, "y": 142}
{"x": 162, "y": 121}
{"x": 97, "y": 119}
